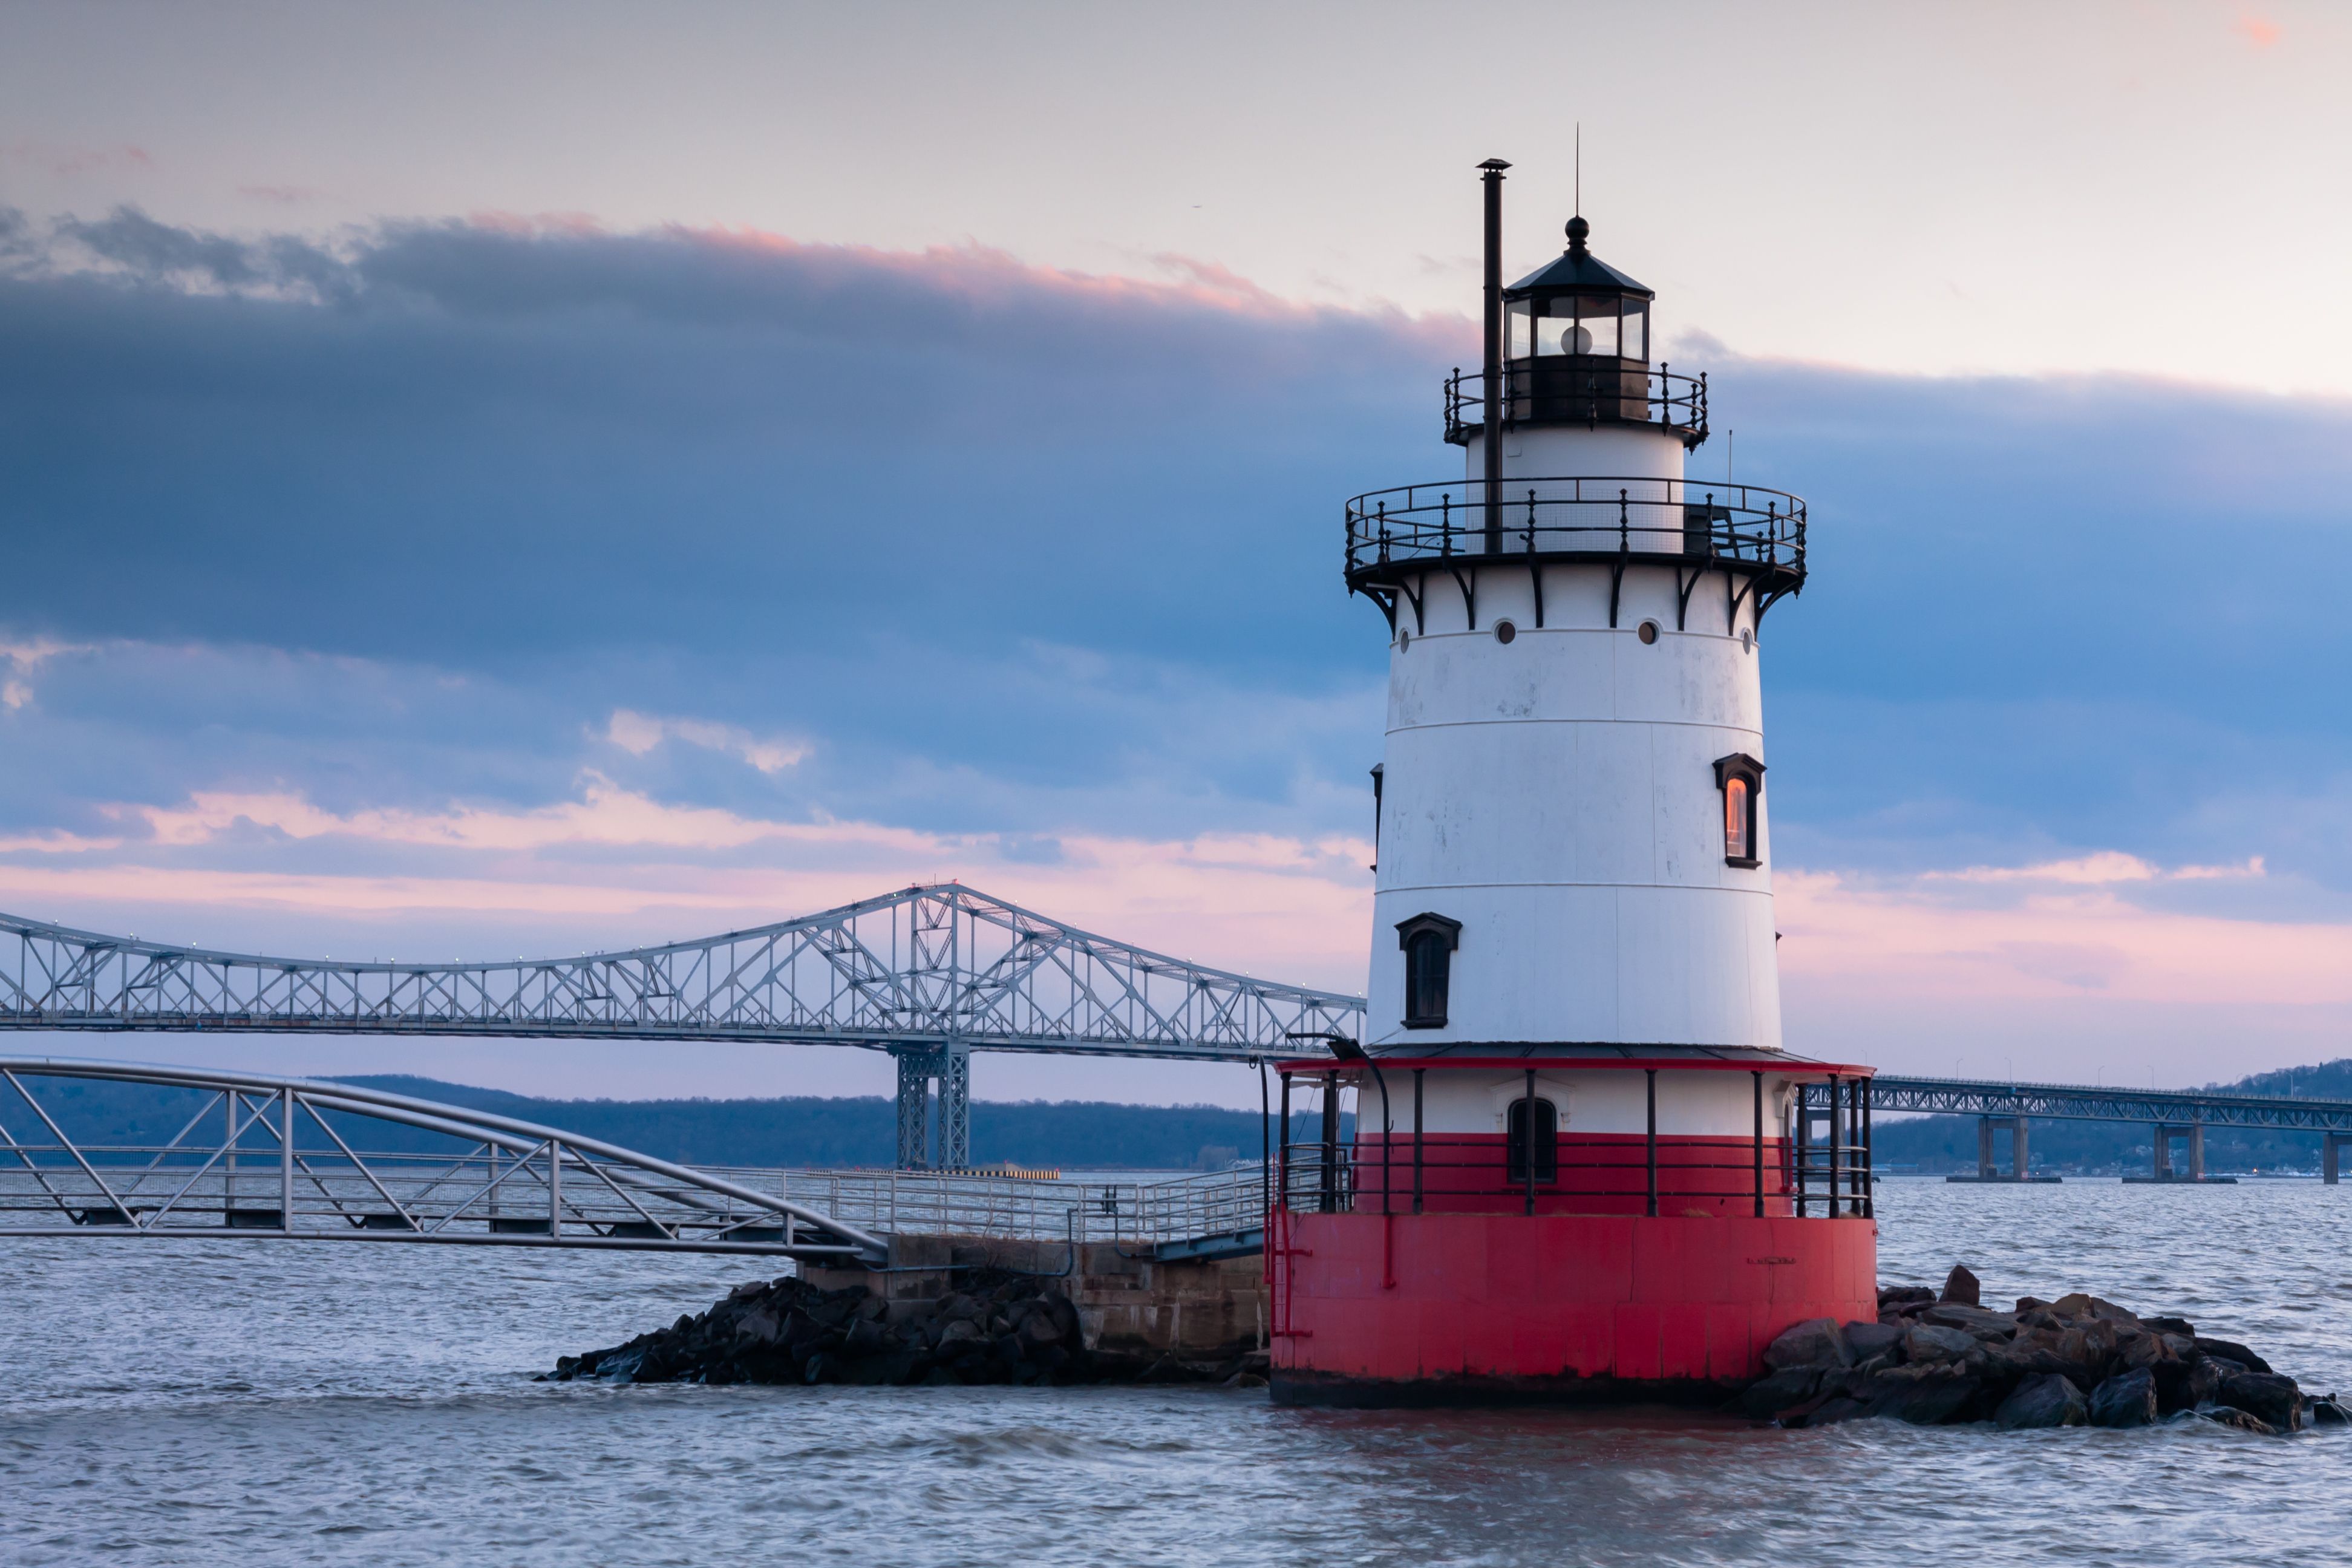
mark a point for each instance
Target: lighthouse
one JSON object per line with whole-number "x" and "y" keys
{"x": 1571, "y": 1157}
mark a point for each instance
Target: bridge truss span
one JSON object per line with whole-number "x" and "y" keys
{"x": 256, "y": 1155}
{"x": 944, "y": 968}
{"x": 2108, "y": 1102}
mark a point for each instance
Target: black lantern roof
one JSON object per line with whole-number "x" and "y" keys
{"x": 1577, "y": 270}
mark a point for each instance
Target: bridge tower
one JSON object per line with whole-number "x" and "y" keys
{"x": 1584, "y": 1164}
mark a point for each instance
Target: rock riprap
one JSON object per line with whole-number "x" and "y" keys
{"x": 1002, "y": 1328}
{"x": 1938, "y": 1357}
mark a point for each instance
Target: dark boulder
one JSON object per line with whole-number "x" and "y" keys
{"x": 2181, "y": 1326}
{"x": 2229, "y": 1350}
{"x": 2046, "y": 1399}
{"x": 1817, "y": 1341}
{"x": 2079, "y": 1306}
{"x": 2242, "y": 1420}
{"x": 2325, "y": 1411}
{"x": 1928, "y": 1403}
{"x": 2274, "y": 1398}
{"x": 1960, "y": 1288}
{"x": 1891, "y": 1296}
{"x": 1983, "y": 1323}
{"x": 2176, "y": 1389}
{"x": 1864, "y": 1341}
{"x": 2127, "y": 1400}
{"x": 1925, "y": 1344}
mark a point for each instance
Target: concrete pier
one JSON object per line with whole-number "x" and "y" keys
{"x": 2193, "y": 1134}
{"x": 1197, "y": 1309}
{"x": 1988, "y": 1168}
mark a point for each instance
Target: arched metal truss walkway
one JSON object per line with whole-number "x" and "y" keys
{"x": 286, "y": 1157}
{"x": 929, "y": 973}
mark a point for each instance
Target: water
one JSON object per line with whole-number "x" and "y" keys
{"x": 198, "y": 1403}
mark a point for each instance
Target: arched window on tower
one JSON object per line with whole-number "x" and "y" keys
{"x": 1429, "y": 941}
{"x": 1546, "y": 1117}
{"x": 1740, "y": 777}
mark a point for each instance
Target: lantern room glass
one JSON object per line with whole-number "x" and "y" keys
{"x": 1576, "y": 325}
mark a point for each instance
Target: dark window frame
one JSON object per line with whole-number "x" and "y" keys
{"x": 1746, "y": 769}
{"x": 1546, "y": 1140}
{"x": 1428, "y": 937}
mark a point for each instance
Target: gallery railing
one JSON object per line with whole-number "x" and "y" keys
{"x": 1740, "y": 527}
{"x": 1557, "y": 392}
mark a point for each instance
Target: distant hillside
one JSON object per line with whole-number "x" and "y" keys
{"x": 1948, "y": 1143}
{"x": 799, "y": 1132}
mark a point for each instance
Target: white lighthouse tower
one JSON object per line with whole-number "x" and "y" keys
{"x": 1573, "y": 981}
{"x": 1572, "y": 789}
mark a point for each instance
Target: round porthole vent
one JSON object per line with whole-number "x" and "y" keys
{"x": 1505, "y": 631}
{"x": 1648, "y": 632}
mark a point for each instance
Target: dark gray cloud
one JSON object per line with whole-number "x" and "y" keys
{"x": 884, "y": 502}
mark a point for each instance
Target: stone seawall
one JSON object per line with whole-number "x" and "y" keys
{"x": 1129, "y": 1304}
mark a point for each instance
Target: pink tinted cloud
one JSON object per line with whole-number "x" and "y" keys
{"x": 1264, "y": 903}
{"x": 2261, "y": 32}
{"x": 2048, "y": 943}
{"x": 983, "y": 275}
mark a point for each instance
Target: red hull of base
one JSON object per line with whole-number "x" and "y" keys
{"x": 1423, "y": 1309}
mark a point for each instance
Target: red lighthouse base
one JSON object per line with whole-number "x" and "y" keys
{"x": 1391, "y": 1310}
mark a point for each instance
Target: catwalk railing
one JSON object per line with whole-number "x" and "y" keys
{"x": 1754, "y": 535}
{"x": 229, "y": 1166}
{"x": 255, "y": 1155}
{"x": 1816, "y": 1156}
{"x": 941, "y": 968}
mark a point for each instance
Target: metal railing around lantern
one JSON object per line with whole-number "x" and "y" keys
{"x": 1740, "y": 527}
{"x": 1554, "y": 392}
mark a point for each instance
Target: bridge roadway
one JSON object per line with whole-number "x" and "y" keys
{"x": 928, "y": 973}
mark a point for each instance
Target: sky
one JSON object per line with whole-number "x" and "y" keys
{"x": 484, "y": 482}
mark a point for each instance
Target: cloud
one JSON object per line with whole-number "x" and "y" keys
{"x": 2257, "y": 30}
{"x": 638, "y": 734}
{"x": 2101, "y": 869}
{"x": 1259, "y": 902}
{"x": 1890, "y": 938}
{"x": 23, "y": 659}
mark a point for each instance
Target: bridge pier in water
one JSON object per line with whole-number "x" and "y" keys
{"x": 1989, "y": 1165}
{"x": 2193, "y": 1134}
{"x": 949, "y": 1067}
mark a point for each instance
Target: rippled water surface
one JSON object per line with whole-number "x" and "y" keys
{"x": 200, "y": 1403}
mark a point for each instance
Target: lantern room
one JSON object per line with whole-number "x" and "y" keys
{"x": 1575, "y": 350}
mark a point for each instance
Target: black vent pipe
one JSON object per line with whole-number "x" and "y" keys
{"x": 1492, "y": 402}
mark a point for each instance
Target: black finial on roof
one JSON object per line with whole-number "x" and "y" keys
{"x": 1495, "y": 163}
{"x": 1577, "y": 229}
